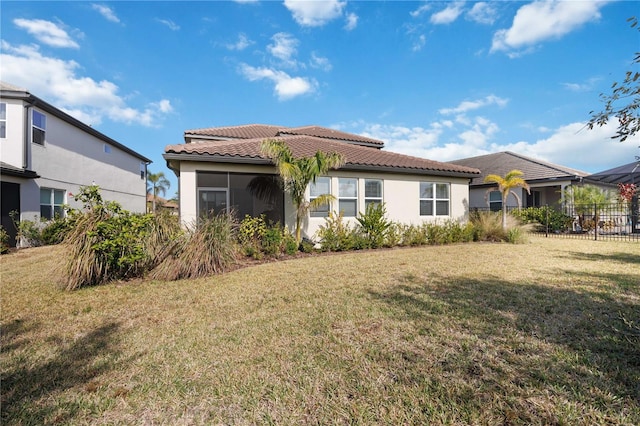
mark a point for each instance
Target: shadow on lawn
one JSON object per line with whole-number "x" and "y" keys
{"x": 74, "y": 365}
{"x": 614, "y": 257}
{"x": 594, "y": 353}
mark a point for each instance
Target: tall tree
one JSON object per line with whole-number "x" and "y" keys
{"x": 511, "y": 180}
{"x": 298, "y": 173}
{"x": 157, "y": 183}
{"x": 623, "y": 103}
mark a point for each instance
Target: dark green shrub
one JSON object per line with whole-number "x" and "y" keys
{"x": 373, "y": 226}
{"x": 55, "y": 231}
{"x": 540, "y": 216}
{"x": 289, "y": 241}
{"x": 272, "y": 241}
{"x": 4, "y": 241}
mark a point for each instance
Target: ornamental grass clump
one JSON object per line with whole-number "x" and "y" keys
{"x": 209, "y": 248}
{"x": 108, "y": 243}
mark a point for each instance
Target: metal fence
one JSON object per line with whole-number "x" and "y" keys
{"x": 614, "y": 221}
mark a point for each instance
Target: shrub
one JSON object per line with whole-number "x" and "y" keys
{"x": 210, "y": 248}
{"x": 251, "y": 232}
{"x": 517, "y": 235}
{"x": 558, "y": 221}
{"x": 4, "y": 241}
{"x": 374, "y": 225}
{"x": 55, "y": 231}
{"x": 335, "y": 234}
{"x": 272, "y": 241}
{"x": 29, "y": 231}
{"x": 108, "y": 243}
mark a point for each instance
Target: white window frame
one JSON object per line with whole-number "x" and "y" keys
{"x": 52, "y": 203}
{"x": 434, "y": 199}
{"x": 350, "y": 198}
{"x": 313, "y": 194}
{"x": 369, "y": 199}
{"x": 3, "y": 120}
{"x": 42, "y": 129}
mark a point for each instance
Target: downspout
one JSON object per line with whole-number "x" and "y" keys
{"x": 26, "y": 139}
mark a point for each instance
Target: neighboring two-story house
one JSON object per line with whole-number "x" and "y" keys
{"x": 46, "y": 156}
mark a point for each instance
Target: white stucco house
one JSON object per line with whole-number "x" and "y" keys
{"x": 216, "y": 167}
{"x": 46, "y": 156}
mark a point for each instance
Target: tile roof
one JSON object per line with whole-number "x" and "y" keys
{"x": 250, "y": 131}
{"x": 501, "y": 163}
{"x": 356, "y": 156}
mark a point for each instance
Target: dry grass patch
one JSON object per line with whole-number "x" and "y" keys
{"x": 466, "y": 334}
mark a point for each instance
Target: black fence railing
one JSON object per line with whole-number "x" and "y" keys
{"x": 600, "y": 221}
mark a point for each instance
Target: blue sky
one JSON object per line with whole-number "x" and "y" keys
{"x": 440, "y": 80}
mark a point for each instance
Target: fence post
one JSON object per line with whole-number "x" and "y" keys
{"x": 595, "y": 221}
{"x": 546, "y": 230}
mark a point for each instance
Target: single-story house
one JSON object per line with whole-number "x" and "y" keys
{"x": 216, "y": 168}
{"x": 47, "y": 155}
{"x": 628, "y": 173}
{"x": 547, "y": 181}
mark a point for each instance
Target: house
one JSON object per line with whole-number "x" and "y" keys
{"x": 217, "y": 167}
{"x": 47, "y": 155}
{"x": 162, "y": 204}
{"x": 547, "y": 181}
{"x": 628, "y": 173}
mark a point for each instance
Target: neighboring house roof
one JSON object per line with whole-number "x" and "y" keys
{"x": 534, "y": 170}
{"x": 9, "y": 91}
{"x": 628, "y": 173}
{"x": 357, "y": 157}
{"x": 251, "y": 131}
{"x": 162, "y": 202}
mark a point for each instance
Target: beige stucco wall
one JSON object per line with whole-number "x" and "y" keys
{"x": 400, "y": 194}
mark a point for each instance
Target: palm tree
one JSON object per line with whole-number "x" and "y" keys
{"x": 587, "y": 200}
{"x": 297, "y": 173}
{"x": 157, "y": 183}
{"x": 511, "y": 180}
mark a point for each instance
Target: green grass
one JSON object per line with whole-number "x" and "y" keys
{"x": 538, "y": 333}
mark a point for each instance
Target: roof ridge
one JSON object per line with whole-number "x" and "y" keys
{"x": 553, "y": 166}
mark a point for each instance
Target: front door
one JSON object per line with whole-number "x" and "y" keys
{"x": 10, "y": 202}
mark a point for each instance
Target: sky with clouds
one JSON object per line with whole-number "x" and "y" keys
{"x": 441, "y": 80}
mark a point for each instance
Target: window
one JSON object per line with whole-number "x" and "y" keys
{"x": 107, "y": 148}
{"x": 348, "y": 196}
{"x": 51, "y": 202}
{"x": 39, "y": 125}
{"x": 321, "y": 186}
{"x": 372, "y": 192}
{"x": 533, "y": 199}
{"x": 495, "y": 201}
{"x": 3, "y": 120}
{"x": 434, "y": 199}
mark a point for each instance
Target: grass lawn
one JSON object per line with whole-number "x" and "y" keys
{"x": 541, "y": 333}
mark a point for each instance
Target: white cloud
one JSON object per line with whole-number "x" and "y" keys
{"x": 420, "y": 10}
{"x": 56, "y": 80}
{"x": 483, "y": 13}
{"x": 572, "y": 145}
{"x": 352, "y": 21}
{"x": 466, "y": 106}
{"x": 581, "y": 87}
{"x": 542, "y": 20}
{"x": 169, "y": 24}
{"x": 314, "y": 13}
{"x": 320, "y": 62}
{"x": 447, "y": 15}
{"x": 419, "y": 43}
{"x": 286, "y": 87}
{"x": 106, "y": 12}
{"x": 284, "y": 47}
{"x": 46, "y": 32}
{"x": 241, "y": 43}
